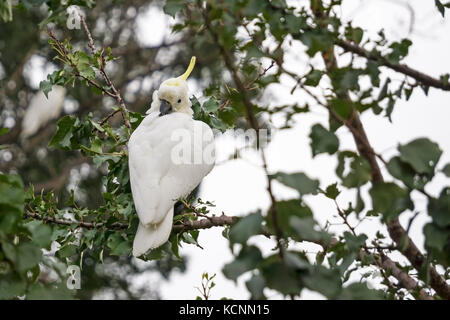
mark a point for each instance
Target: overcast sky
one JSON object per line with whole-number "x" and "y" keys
{"x": 238, "y": 187}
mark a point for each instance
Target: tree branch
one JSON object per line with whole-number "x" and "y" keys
{"x": 223, "y": 220}
{"x": 80, "y": 224}
{"x": 420, "y": 77}
{"x": 228, "y": 59}
{"x": 116, "y": 93}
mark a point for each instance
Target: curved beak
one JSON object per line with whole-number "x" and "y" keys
{"x": 164, "y": 108}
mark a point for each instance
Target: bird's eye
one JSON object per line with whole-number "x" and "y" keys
{"x": 179, "y": 100}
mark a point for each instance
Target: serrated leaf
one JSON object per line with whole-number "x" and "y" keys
{"x": 172, "y": 7}
{"x": 332, "y": 191}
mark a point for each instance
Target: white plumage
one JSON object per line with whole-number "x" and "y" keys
{"x": 41, "y": 110}
{"x": 158, "y": 175}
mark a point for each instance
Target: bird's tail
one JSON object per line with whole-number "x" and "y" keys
{"x": 153, "y": 236}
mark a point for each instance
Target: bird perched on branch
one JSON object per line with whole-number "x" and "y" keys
{"x": 169, "y": 154}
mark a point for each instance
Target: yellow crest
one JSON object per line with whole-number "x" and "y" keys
{"x": 189, "y": 69}
{"x": 175, "y": 81}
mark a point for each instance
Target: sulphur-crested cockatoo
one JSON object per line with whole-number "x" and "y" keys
{"x": 169, "y": 154}
{"x": 41, "y": 110}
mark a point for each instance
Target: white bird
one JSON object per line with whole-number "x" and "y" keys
{"x": 159, "y": 173}
{"x": 41, "y": 110}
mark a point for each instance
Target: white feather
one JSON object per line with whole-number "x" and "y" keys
{"x": 156, "y": 180}
{"x": 152, "y": 237}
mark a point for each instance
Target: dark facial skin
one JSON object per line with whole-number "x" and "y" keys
{"x": 165, "y": 108}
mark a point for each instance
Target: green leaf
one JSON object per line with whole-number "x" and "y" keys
{"x": 246, "y": 227}
{"x": 39, "y": 291}
{"x": 95, "y": 148}
{"x": 254, "y": 7}
{"x": 437, "y": 243}
{"x": 3, "y": 131}
{"x": 341, "y": 107}
{"x": 82, "y": 63}
{"x": 313, "y": 78}
{"x": 439, "y": 209}
{"x": 123, "y": 248}
{"x": 389, "y": 199}
{"x": 323, "y": 140}
{"x": 299, "y": 181}
{"x": 316, "y": 41}
{"x": 323, "y": 280}
{"x": 359, "y": 173}
{"x": 384, "y": 90}
{"x": 118, "y": 245}
{"x": 12, "y": 194}
{"x": 11, "y": 286}
{"x": 354, "y": 243}
{"x": 27, "y": 256}
{"x": 45, "y": 86}
{"x": 256, "y": 286}
{"x": 64, "y": 133}
{"x": 67, "y": 250}
{"x": 211, "y": 105}
{"x": 41, "y": 234}
{"x": 399, "y": 50}
{"x": 359, "y": 291}
{"x": 422, "y": 154}
{"x": 446, "y": 170}
{"x": 440, "y": 7}
{"x": 304, "y": 229}
{"x": 296, "y": 260}
{"x": 280, "y": 277}
{"x": 172, "y": 7}
{"x": 359, "y": 202}
{"x": 286, "y": 209}
{"x": 354, "y": 34}
{"x": 332, "y": 191}
{"x": 405, "y": 173}
{"x": 435, "y": 237}
{"x": 249, "y": 258}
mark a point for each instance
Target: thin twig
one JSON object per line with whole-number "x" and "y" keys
{"x": 116, "y": 94}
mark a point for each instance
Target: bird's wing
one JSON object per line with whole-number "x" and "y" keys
{"x": 148, "y": 163}
{"x": 182, "y": 177}
{"x": 157, "y": 177}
